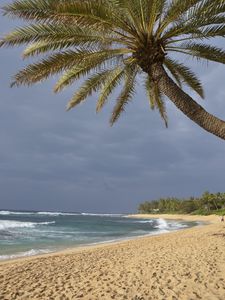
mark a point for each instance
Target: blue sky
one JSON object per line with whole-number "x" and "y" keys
{"x": 74, "y": 161}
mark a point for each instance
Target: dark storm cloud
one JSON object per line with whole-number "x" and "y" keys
{"x": 53, "y": 160}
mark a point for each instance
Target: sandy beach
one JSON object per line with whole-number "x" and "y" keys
{"x": 187, "y": 264}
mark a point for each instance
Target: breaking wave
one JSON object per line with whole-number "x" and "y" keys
{"x": 52, "y": 213}
{"x": 162, "y": 224}
{"x": 6, "y": 224}
{"x": 7, "y": 212}
{"x": 101, "y": 215}
{"x": 31, "y": 252}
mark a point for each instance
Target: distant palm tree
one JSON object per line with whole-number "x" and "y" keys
{"x": 113, "y": 42}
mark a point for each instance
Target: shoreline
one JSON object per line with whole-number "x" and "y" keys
{"x": 179, "y": 265}
{"x": 79, "y": 248}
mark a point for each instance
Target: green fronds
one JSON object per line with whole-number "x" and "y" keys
{"x": 99, "y": 14}
{"x": 154, "y": 9}
{"x": 173, "y": 72}
{"x": 61, "y": 34}
{"x": 156, "y": 98}
{"x": 200, "y": 51}
{"x": 54, "y": 64}
{"x": 29, "y": 9}
{"x": 92, "y": 84}
{"x": 174, "y": 12}
{"x": 185, "y": 75}
{"x": 196, "y": 19}
{"x": 172, "y": 36}
{"x": 206, "y": 10}
{"x": 126, "y": 94}
{"x": 92, "y": 63}
{"x": 62, "y": 61}
{"x": 43, "y": 47}
{"x": 109, "y": 85}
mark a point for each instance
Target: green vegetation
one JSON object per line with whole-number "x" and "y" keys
{"x": 119, "y": 43}
{"x": 205, "y": 205}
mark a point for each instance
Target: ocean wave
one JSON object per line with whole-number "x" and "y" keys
{"x": 31, "y": 252}
{"x": 8, "y": 212}
{"x": 144, "y": 221}
{"x": 56, "y": 213}
{"x": 48, "y": 213}
{"x": 101, "y": 215}
{"x": 178, "y": 225}
{"x": 6, "y": 224}
{"x": 162, "y": 224}
{"x": 52, "y": 213}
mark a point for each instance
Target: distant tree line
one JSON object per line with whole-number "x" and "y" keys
{"x": 206, "y": 204}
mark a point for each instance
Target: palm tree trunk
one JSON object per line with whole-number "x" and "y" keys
{"x": 186, "y": 104}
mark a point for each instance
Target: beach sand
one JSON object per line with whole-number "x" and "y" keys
{"x": 187, "y": 264}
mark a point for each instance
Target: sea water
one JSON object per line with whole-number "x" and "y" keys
{"x": 32, "y": 233}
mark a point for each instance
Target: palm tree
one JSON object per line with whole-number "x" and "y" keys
{"x": 120, "y": 42}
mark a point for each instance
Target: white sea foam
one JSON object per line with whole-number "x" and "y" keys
{"x": 101, "y": 215}
{"x": 52, "y": 213}
{"x": 56, "y": 213}
{"x": 31, "y": 252}
{"x": 179, "y": 225}
{"x": 7, "y": 224}
{"x": 162, "y": 224}
{"x": 7, "y": 212}
{"x": 145, "y": 221}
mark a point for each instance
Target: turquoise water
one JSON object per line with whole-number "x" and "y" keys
{"x": 31, "y": 233}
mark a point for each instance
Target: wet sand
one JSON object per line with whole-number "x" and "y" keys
{"x": 187, "y": 264}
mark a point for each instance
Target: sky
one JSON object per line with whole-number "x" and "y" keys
{"x": 55, "y": 160}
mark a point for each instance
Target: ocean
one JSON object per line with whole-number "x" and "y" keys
{"x": 31, "y": 233}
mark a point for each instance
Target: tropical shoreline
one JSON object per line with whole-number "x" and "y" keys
{"x": 26, "y": 232}
{"x": 175, "y": 265}
{"x": 17, "y": 257}
{"x": 206, "y": 220}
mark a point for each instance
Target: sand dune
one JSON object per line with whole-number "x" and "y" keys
{"x": 189, "y": 264}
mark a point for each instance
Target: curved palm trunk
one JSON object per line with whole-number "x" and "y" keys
{"x": 186, "y": 104}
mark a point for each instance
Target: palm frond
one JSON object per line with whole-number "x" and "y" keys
{"x": 109, "y": 85}
{"x": 197, "y": 29}
{"x": 92, "y": 84}
{"x": 126, "y": 94}
{"x": 176, "y": 76}
{"x": 184, "y": 74}
{"x": 61, "y": 61}
{"x": 197, "y": 18}
{"x": 156, "y": 98}
{"x": 200, "y": 51}
{"x": 73, "y": 35}
{"x": 100, "y": 14}
{"x": 155, "y": 10}
{"x": 83, "y": 69}
{"x": 176, "y": 9}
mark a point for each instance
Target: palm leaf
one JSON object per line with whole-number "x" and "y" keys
{"x": 109, "y": 85}
{"x": 156, "y": 98}
{"x": 73, "y": 35}
{"x": 92, "y": 84}
{"x": 185, "y": 74}
{"x": 200, "y": 51}
{"x": 99, "y": 14}
{"x": 61, "y": 61}
{"x": 126, "y": 94}
{"x": 176, "y": 9}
